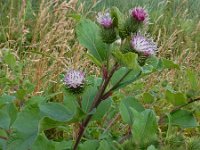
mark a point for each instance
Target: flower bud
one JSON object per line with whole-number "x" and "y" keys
{"x": 138, "y": 17}
{"x": 139, "y": 14}
{"x": 74, "y": 81}
{"x": 105, "y": 20}
{"x": 108, "y": 32}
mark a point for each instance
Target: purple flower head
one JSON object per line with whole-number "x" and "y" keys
{"x": 105, "y": 19}
{"x": 74, "y": 79}
{"x": 143, "y": 45}
{"x": 139, "y": 14}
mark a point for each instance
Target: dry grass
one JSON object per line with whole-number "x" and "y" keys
{"x": 47, "y": 42}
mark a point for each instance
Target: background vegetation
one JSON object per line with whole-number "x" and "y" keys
{"x": 38, "y": 43}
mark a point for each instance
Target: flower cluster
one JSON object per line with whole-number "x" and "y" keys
{"x": 143, "y": 45}
{"x": 129, "y": 29}
{"x": 74, "y": 79}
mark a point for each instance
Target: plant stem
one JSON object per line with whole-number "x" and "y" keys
{"x": 126, "y": 136}
{"x": 3, "y": 138}
{"x": 96, "y": 102}
{"x": 190, "y": 101}
{"x": 107, "y": 94}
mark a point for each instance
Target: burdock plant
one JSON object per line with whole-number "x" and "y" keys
{"x": 117, "y": 44}
{"x": 121, "y": 64}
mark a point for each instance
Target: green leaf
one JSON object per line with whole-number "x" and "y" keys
{"x": 118, "y": 20}
{"x": 42, "y": 143}
{"x": 70, "y": 102}
{"x": 64, "y": 145}
{"x": 56, "y": 111}
{"x": 125, "y": 109}
{"x": 153, "y": 61}
{"x": 144, "y": 128}
{"x": 102, "y": 109}
{"x": 130, "y": 77}
{"x": 4, "y": 120}
{"x": 176, "y": 98}
{"x": 151, "y": 147}
{"x": 129, "y": 59}
{"x": 151, "y": 65}
{"x": 75, "y": 16}
{"x": 148, "y": 98}
{"x": 94, "y": 60}
{"x": 183, "y": 119}
{"x": 3, "y": 141}
{"x": 6, "y": 99}
{"x": 168, "y": 64}
{"x": 47, "y": 123}
{"x": 192, "y": 77}
{"x": 25, "y": 129}
{"x": 104, "y": 145}
{"x": 89, "y": 36}
{"x": 88, "y": 97}
{"x": 9, "y": 59}
{"x": 8, "y": 114}
{"x": 21, "y": 93}
{"x": 89, "y": 145}
{"x": 12, "y": 111}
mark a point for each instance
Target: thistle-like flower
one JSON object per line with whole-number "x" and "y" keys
{"x": 74, "y": 79}
{"x": 139, "y": 14}
{"x": 104, "y": 19}
{"x": 143, "y": 45}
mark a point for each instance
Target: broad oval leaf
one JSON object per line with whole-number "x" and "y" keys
{"x": 125, "y": 109}
{"x": 183, "y": 119}
{"x": 88, "y": 98}
{"x": 129, "y": 60}
{"x": 88, "y": 34}
{"x": 56, "y": 111}
{"x": 25, "y": 129}
{"x": 102, "y": 109}
{"x": 131, "y": 76}
{"x": 144, "y": 128}
{"x": 89, "y": 145}
{"x": 176, "y": 98}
